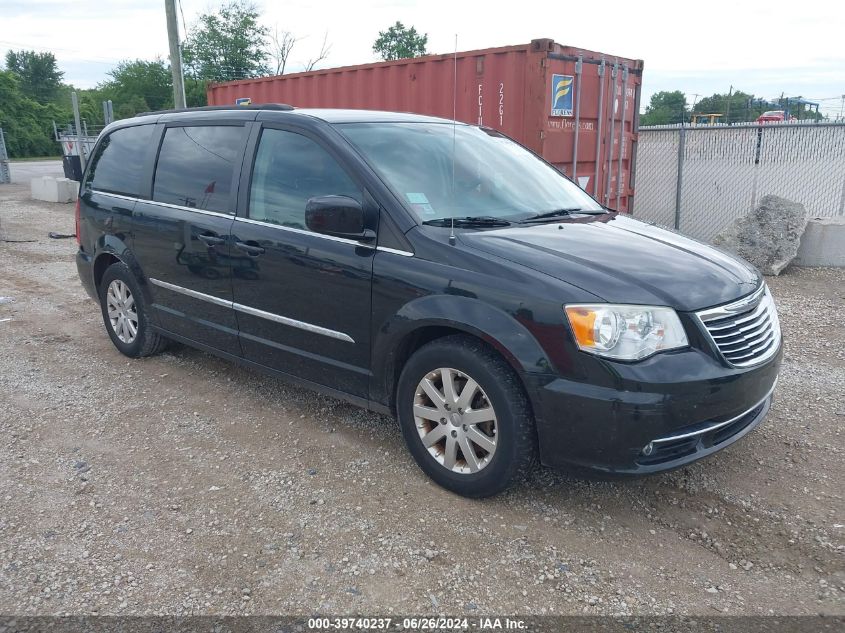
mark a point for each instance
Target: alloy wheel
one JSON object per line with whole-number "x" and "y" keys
{"x": 455, "y": 420}
{"x": 122, "y": 312}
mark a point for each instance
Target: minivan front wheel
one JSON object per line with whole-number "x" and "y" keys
{"x": 465, "y": 417}
{"x": 455, "y": 420}
{"x": 124, "y": 313}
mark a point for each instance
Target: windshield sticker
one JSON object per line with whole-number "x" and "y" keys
{"x": 419, "y": 203}
{"x": 417, "y": 198}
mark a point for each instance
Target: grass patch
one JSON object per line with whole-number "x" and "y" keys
{"x": 30, "y": 159}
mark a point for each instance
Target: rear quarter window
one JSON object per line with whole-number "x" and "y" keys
{"x": 118, "y": 162}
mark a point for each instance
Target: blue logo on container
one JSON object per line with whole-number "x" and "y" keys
{"x": 562, "y": 95}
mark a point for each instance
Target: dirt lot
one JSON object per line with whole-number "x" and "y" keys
{"x": 183, "y": 484}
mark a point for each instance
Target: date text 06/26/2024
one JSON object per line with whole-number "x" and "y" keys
{"x": 359, "y": 623}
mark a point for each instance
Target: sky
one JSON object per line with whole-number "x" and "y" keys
{"x": 767, "y": 47}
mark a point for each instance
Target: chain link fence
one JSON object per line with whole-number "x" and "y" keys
{"x": 699, "y": 179}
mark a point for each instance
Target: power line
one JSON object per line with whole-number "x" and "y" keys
{"x": 52, "y": 49}
{"x": 184, "y": 24}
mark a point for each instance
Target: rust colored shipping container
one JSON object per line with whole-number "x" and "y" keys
{"x": 576, "y": 108}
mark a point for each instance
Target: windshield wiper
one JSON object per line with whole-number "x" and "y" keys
{"x": 556, "y": 213}
{"x": 470, "y": 220}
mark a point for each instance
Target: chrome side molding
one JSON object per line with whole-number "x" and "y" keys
{"x": 270, "y": 316}
{"x": 191, "y": 293}
{"x": 302, "y": 325}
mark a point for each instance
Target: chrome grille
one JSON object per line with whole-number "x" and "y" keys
{"x": 747, "y": 332}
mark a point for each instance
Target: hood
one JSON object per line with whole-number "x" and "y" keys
{"x": 623, "y": 260}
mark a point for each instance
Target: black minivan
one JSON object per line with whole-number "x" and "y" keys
{"x": 435, "y": 271}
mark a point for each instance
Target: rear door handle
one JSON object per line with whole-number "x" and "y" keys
{"x": 212, "y": 240}
{"x": 250, "y": 249}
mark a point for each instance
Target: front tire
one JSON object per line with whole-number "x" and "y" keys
{"x": 465, "y": 417}
{"x": 125, "y": 314}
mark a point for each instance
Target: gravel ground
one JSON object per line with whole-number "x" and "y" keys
{"x": 182, "y": 484}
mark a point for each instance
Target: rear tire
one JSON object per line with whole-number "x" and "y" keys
{"x": 465, "y": 417}
{"x": 125, "y": 314}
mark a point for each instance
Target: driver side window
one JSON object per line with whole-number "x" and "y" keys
{"x": 289, "y": 169}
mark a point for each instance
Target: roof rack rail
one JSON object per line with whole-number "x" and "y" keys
{"x": 257, "y": 106}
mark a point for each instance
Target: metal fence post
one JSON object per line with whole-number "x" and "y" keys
{"x": 842, "y": 197}
{"x": 5, "y": 174}
{"x": 682, "y": 137}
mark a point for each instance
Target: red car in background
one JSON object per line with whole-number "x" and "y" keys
{"x": 774, "y": 116}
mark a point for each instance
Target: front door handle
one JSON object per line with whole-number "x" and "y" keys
{"x": 253, "y": 250}
{"x": 212, "y": 240}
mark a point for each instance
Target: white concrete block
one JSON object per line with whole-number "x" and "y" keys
{"x": 68, "y": 189}
{"x": 823, "y": 243}
{"x": 37, "y": 188}
{"x": 52, "y": 189}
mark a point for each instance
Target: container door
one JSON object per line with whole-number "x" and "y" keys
{"x": 588, "y": 126}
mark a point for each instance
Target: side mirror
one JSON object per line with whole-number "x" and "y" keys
{"x": 339, "y": 216}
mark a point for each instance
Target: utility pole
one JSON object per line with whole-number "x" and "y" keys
{"x": 728, "y": 109}
{"x": 175, "y": 54}
{"x": 80, "y": 149}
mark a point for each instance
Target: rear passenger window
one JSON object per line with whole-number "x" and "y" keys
{"x": 116, "y": 166}
{"x": 290, "y": 169}
{"x": 196, "y": 165}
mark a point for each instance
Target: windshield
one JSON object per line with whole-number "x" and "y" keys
{"x": 489, "y": 176}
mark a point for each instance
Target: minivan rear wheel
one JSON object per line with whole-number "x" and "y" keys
{"x": 125, "y": 315}
{"x": 465, "y": 417}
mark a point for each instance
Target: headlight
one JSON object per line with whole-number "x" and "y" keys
{"x": 625, "y": 332}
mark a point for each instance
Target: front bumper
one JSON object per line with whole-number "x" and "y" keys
{"x": 661, "y": 414}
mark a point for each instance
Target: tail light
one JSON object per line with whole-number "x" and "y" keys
{"x": 78, "y": 236}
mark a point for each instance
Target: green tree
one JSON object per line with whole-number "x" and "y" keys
{"x": 195, "y": 94}
{"x": 227, "y": 44}
{"x": 27, "y": 124}
{"x": 734, "y": 106}
{"x": 399, "y": 42}
{"x": 666, "y": 108}
{"x": 138, "y": 86}
{"x": 38, "y": 76}
{"x": 90, "y": 106}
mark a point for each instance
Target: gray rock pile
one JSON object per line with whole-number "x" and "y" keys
{"x": 769, "y": 236}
